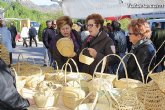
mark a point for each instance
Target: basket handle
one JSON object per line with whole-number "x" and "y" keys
{"x": 76, "y": 69}
{"x": 154, "y": 56}
{"x": 104, "y": 62}
{"x": 20, "y": 55}
{"x": 83, "y": 50}
{"x": 57, "y": 67}
{"x": 154, "y": 68}
{"x": 13, "y": 71}
{"x": 141, "y": 72}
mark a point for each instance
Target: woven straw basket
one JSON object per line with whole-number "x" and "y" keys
{"x": 97, "y": 107}
{"x": 100, "y": 83}
{"x": 65, "y": 46}
{"x": 151, "y": 96}
{"x": 72, "y": 96}
{"x": 128, "y": 100}
{"x": 34, "y": 79}
{"x": 85, "y": 59}
{"x": 159, "y": 78}
{"x": 127, "y": 82}
{"x": 47, "y": 94}
{"x": 44, "y": 99}
{"x": 20, "y": 80}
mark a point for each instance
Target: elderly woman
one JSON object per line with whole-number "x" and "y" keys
{"x": 139, "y": 34}
{"x": 98, "y": 43}
{"x": 64, "y": 26}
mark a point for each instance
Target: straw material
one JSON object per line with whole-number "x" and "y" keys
{"x": 44, "y": 99}
{"x": 128, "y": 100}
{"x": 65, "y": 46}
{"x": 97, "y": 107}
{"x": 98, "y": 84}
{"x": 151, "y": 96}
{"x": 127, "y": 83}
{"x": 159, "y": 78}
{"x": 4, "y": 54}
{"x": 47, "y": 94}
{"x": 20, "y": 80}
{"x": 83, "y": 85}
{"x": 85, "y": 59}
{"x": 72, "y": 96}
{"x": 74, "y": 76}
{"x": 33, "y": 80}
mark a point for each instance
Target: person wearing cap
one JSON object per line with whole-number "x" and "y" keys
{"x": 64, "y": 26}
{"x": 98, "y": 43}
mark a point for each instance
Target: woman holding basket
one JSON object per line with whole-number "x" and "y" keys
{"x": 67, "y": 42}
{"x": 98, "y": 44}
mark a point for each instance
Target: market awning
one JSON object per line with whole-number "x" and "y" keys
{"x": 82, "y": 8}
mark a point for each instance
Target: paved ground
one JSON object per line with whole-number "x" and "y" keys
{"x": 36, "y": 53}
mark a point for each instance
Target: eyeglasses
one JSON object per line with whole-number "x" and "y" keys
{"x": 131, "y": 33}
{"x": 90, "y": 25}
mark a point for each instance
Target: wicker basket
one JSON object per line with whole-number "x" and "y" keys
{"x": 20, "y": 80}
{"x": 44, "y": 99}
{"x": 127, "y": 82}
{"x": 159, "y": 78}
{"x": 72, "y": 96}
{"x": 65, "y": 46}
{"x": 128, "y": 100}
{"x": 151, "y": 96}
{"x": 85, "y": 59}
{"x": 33, "y": 80}
{"x": 97, "y": 107}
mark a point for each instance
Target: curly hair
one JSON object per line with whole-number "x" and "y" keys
{"x": 63, "y": 21}
{"x": 97, "y": 18}
{"x": 140, "y": 27}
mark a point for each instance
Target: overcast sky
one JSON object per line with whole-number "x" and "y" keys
{"x": 42, "y": 2}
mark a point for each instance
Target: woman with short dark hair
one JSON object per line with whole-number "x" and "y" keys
{"x": 64, "y": 26}
{"x": 98, "y": 43}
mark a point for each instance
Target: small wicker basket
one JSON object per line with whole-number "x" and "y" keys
{"x": 85, "y": 59}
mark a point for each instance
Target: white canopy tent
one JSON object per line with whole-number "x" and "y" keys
{"x": 82, "y": 8}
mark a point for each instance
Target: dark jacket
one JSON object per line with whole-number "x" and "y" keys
{"x": 13, "y": 32}
{"x": 10, "y": 99}
{"x": 158, "y": 37}
{"x": 102, "y": 44}
{"x": 49, "y": 34}
{"x": 144, "y": 51}
{"x": 61, "y": 60}
{"x": 32, "y": 32}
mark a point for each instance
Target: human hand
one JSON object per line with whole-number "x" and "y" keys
{"x": 92, "y": 52}
{"x": 31, "y": 101}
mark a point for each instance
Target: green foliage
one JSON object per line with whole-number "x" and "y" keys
{"x": 21, "y": 12}
{"x": 42, "y": 27}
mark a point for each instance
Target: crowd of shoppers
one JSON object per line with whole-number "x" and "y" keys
{"x": 97, "y": 40}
